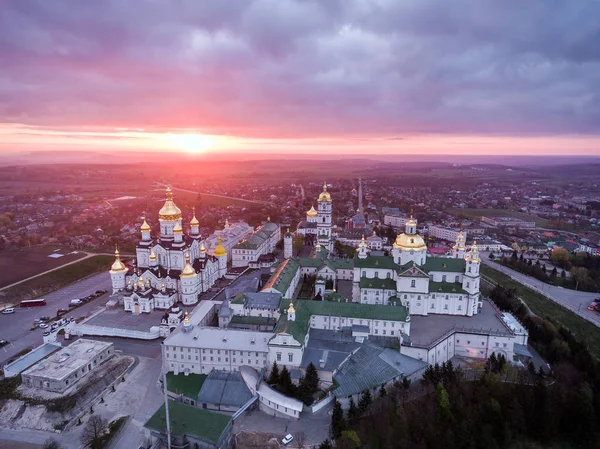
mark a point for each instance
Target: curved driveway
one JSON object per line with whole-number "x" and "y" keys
{"x": 573, "y": 300}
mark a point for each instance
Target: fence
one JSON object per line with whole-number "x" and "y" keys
{"x": 89, "y": 329}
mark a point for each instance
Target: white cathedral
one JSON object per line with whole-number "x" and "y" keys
{"x": 170, "y": 267}
{"x": 318, "y": 222}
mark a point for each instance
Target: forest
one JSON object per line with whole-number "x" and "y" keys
{"x": 452, "y": 408}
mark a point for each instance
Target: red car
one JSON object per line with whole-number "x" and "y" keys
{"x": 594, "y": 307}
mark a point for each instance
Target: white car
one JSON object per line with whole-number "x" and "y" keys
{"x": 43, "y": 325}
{"x": 287, "y": 439}
{"x": 9, "y": 310}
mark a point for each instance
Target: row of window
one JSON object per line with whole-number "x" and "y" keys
{"x": 210, "y": 351}
{"x": 352, "y": 321}
{"x": 290, "y": 357}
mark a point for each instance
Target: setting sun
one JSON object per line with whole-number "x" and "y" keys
{"x": 193, "y": 143}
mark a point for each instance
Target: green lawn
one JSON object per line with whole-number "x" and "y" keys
{"x": 55, "y": 280}
{"x": 188, "y": 385}
{"x": 189, "y": 420}
{"x": 585, "y": 331}
{"x": 476, "y": 213}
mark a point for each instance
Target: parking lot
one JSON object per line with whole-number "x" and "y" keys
{"x": 15, "y": 327}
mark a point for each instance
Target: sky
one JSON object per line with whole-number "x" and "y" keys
{"x": 338, "y": 76}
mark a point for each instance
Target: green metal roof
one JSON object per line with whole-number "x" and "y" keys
{"x": 189, "y": 420}
{"x": 305, "y": 308}
{"x": 256, "y": 320}
{"x": 386, "y": 284}
{"x": 446, "y": 287}
{"x": 376, "y": 262}
{"x": 187, "y": 385}
{"x": 444, "y": 264}
{"x": 283, "y": 276}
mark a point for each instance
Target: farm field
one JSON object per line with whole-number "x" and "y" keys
{"x": 19, "y": 264}
{"x": 55, "y": 280}
{"x": 476, "y": 213}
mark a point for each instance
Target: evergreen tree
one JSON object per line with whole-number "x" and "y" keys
{"x": 304, "y": 393}
{"x": 285, "y": 385}
{"x": 563, "y": 275}
{"x": 326, "y": 445}
{"x": 312, "y": 378}
{"x": 274, "y": 376}
{"x": 365, "y": 401}
{"x": 338, "y": 423}
{"x": 382, "y": 391}
{"x": 353, "y": 412}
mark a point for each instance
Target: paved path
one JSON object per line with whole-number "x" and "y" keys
{"x": 575, "y": 301}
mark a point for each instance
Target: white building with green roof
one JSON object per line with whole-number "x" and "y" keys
{"x": 260, "y": 242}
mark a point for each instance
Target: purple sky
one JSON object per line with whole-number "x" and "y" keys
{"x": 276, "y": 69}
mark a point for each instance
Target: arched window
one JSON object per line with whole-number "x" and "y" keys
{"x": 469, "y": 269}
{"x": 444, "y": 278}
{"x": 377, "y": 274}
{"x": 389, "y": 275}
{"x": 456, "y": 279}
{"x": 413, "y": 283}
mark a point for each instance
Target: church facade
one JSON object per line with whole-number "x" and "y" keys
{"x": 170, "y": 267}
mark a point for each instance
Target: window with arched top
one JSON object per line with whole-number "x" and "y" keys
{"x": 412, "y": 240}
{"x": 413, "y": 283}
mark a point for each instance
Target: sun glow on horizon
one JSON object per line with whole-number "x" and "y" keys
{"x": 193, "y": 143}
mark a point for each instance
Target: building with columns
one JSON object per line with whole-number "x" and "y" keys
{"x": 170, "y": 266}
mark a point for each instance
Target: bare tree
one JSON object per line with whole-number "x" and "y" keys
{"x": 300, "y": 439}
{"x": 93, "y": 432}
{"x": 51, "y": 443}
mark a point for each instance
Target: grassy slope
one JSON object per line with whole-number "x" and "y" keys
{"x": 55, "y": 280}
{"x": 585, "y": 331}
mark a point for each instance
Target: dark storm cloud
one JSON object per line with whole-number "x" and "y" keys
{"x": 304, "y": 68}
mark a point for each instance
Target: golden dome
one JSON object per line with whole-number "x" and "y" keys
{"x": 408, "y": 242}
{"x": 312, "y": 212}
{"x": 291, "y": 308}
{"x": 220, "y": 249}
{"x": 145, "y": 227}
{"x": 169, "y": 211}
{"x": 194, "y": 221}
{"x": 460, "y": 241}
{"x": 117, "y": 266}
{"x": 152, "y": 254}
{"x": 186, "y": 319}
{"x": 473, "y": 255}
{"x": 325, "y": 196}
{"x": 202, "y": 248}
{"x": 362, "y": 242}
{"x": 188, "y": 270}
{"x": 177, "y": 229}
{"x": 411, "y": 222}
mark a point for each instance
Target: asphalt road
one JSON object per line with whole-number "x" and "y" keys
{"x": 16, "y": 327}
{"x": 573, "y": 300}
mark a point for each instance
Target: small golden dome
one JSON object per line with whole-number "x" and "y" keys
{"x": 152, "y": 254}
{"x": 118, "y": 266}
{"x": 194, "y": 221}
{"x": 473, "y": 255}
{"x": 407, "y": 242}
{"x": 145, "y": 227}
{"x": 220, "y": 249}
{"x": 186, "y": 319}
{"x": 169, "y": 212}
{"x": 362, "y": 243}
{"x": 177, "y": 229}
{"x": 411, "y": 222}
{"x": 202, "y": 248}
{"x": 188, "y": 270}
{"x": 325, "y": 196}
{"x": 312, "y": 212}
{"x": 291, "y": 308}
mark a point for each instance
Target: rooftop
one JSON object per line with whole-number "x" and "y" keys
{"x": 188, "y": 386}
{"x": 218, "y": 338}
{"x": 32, "y": 357}
{"x": 188, "y": 420}
{"x": 224, "y": 388}
{"x": 371, "y": 366}
{"x": 69, "y": 359}
{"x": 426, "y": 329}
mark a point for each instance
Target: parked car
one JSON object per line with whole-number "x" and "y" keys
{"x": 9, "y": 310}
{"x": 594, "y": 306}
{"x": 43, "y": 325}
{"x": 46, "y": 333}
{"x": 3, "y": 342}
{"x": 54, "y": 326}
{"x": 37, "y": 321}
{"x": 60, "y": 312}
{"x": 75, "y": 302}
{"x": 45, "y": 318}
{"x": 287, "y": 439}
